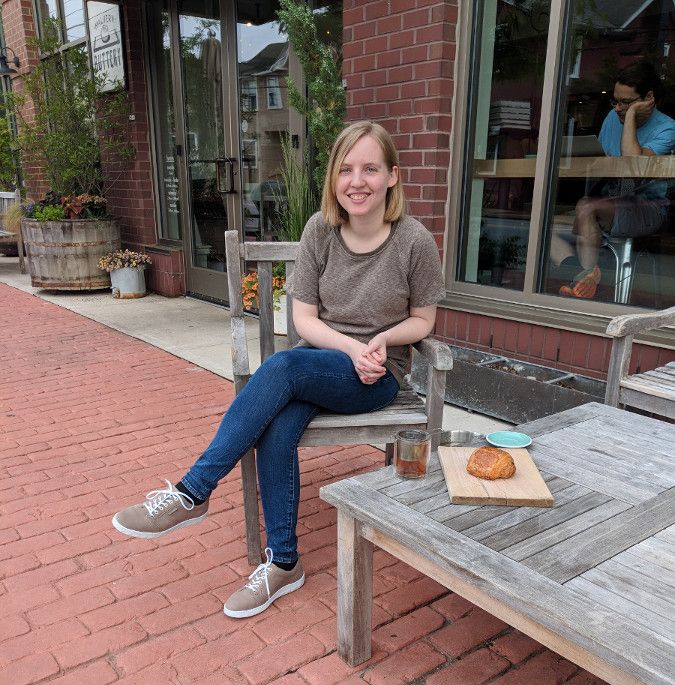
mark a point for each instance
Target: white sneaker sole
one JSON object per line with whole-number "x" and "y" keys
{"x": 285, "y": 590}
{"x": 148, "y": 534}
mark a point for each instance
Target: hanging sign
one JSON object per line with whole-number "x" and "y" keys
{"x": 105, "y": 41}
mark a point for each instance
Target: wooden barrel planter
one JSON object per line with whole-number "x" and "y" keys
{"x": 63, "y": 255}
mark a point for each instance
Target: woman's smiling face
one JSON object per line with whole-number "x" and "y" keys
{"x": 363, "y": 179}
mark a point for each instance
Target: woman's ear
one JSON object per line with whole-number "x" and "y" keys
{"x": 393, "y": 177}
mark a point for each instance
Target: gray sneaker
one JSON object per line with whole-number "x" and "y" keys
{"x": 266, "y": 584}
{"x": 165, "y": 510}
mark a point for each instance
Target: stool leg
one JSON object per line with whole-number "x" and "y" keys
{"x": 625, "y": 272}
{"x": 617, "y": 269}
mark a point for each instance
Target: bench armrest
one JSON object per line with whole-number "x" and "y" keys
{"x": 630, "y": 324}
{"x": 438, "y": 354}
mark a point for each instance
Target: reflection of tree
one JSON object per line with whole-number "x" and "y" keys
{"x": 202, "y": 102}
{"x": 519, "y": 39}
{"x": 192, "y": 44}
{"x": 521, "y": 34}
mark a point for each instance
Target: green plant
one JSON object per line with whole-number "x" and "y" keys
{"x": 48, "y": 213}
{"x": 121, "y": 259}
{"x": 295, "y": 202}
{"x": 74, "y": 129}
{"x": 325, "y": 105}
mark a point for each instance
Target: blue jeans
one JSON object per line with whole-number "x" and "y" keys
{"x": 272, "y": 412}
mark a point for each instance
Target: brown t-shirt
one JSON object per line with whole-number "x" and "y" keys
{"x": 361, "y": 295}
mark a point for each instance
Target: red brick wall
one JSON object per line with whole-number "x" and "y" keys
{"x": 167, "y": 273}
{"x": 565, "y": 350}
{"x": 129, "y": 194}
{"x": 398, "y": 63}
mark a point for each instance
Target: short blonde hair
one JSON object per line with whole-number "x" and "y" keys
{"x": 333, "y": 212}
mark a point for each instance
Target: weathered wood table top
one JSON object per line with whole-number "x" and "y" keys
{"x": 592, "y": 578}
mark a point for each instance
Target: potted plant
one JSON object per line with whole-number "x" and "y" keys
{"x": 249, "y": 291}
{"x": 126, "y": 269}
{"x": 71, "y": 133}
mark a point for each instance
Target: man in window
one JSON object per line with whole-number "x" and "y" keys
{"x": 626, "y": 207}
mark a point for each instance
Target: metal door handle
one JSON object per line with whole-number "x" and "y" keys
{"x": 225, "y": 171}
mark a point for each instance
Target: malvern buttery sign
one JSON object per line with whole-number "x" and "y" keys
{"x": 105, "y": 40}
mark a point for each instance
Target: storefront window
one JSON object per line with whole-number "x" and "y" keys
{"x": 73, "y": 20}
{"x": 609, "y": 230}
{"x": 159, "y": 43}
{"x": 505, "y": 97}
{"x": 69, "y": 12}
{"x": 263, "y": 54}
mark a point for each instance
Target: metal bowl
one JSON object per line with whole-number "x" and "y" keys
{"x": 459, "y": 438}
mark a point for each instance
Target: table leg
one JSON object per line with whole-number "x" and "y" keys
{"x": 354, "y": 591}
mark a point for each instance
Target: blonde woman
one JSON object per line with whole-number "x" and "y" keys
{"x": 366, "y": 283}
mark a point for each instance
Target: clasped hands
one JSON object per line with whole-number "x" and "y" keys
{"x": 369, "y": 359}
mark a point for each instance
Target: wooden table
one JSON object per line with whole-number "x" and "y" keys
{"x": 592, "y": 578}
{"x": 661, "y": 166}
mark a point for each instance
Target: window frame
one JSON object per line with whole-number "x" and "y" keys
{"x": 273, "y": 90}
{"x": 528, "y": 304}
{"x": 65, "y": 44}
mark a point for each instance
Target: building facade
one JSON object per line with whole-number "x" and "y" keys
{"x": 496, "y": 107}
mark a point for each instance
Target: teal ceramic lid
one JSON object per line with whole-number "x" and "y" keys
{"x": 508, "y": 439}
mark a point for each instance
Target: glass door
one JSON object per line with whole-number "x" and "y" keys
{"x": 203, "y": 35}
{"x": 264, "y": 115}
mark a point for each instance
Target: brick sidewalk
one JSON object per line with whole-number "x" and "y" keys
{"x": 90, "y": 420}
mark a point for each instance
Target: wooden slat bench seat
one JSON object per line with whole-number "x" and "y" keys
{"x": 592, "y": 578}
{"x": 653, "y": 390}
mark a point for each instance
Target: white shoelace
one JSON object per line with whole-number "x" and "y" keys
{"x": 260, "y": 574}
{"x": 159, "y": 499}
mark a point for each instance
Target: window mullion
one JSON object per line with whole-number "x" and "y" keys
{"x": 544, "y": 161}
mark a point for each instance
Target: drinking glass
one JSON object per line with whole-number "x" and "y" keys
{"x": 411, "y": 455}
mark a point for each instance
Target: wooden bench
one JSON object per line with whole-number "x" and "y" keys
{"x": 407, "y": 411}
{"x": 592, "y": 578}
{"x": 652, "y": 391}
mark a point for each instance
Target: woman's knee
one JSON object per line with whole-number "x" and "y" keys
{"x": 285, "y": 362}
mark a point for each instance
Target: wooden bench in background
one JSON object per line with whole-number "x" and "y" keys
{"x": 652, "y": 391}
{"x": 408, "y": 411}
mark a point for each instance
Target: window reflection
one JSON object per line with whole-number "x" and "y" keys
{"x": 610, "y": 234}
{"x": 163, "y": 112}
{"x": 73, "y": 19}
{"x": 506, "y": 98}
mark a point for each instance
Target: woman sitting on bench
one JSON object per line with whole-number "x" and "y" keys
{"x": 366, "y": 283}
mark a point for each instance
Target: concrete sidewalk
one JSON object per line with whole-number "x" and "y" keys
{"x": 90, "y": 420}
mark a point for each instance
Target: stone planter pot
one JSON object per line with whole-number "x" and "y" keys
{"x": 63, "y": 255}
{"x": 128, "y": 282}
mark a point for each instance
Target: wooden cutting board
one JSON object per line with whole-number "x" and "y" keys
{"x": 526, "y": 488}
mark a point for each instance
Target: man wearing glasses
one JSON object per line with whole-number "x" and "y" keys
{"x": 626, "y": 207}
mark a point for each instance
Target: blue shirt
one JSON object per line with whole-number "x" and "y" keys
{"x": 657, "y": 134}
